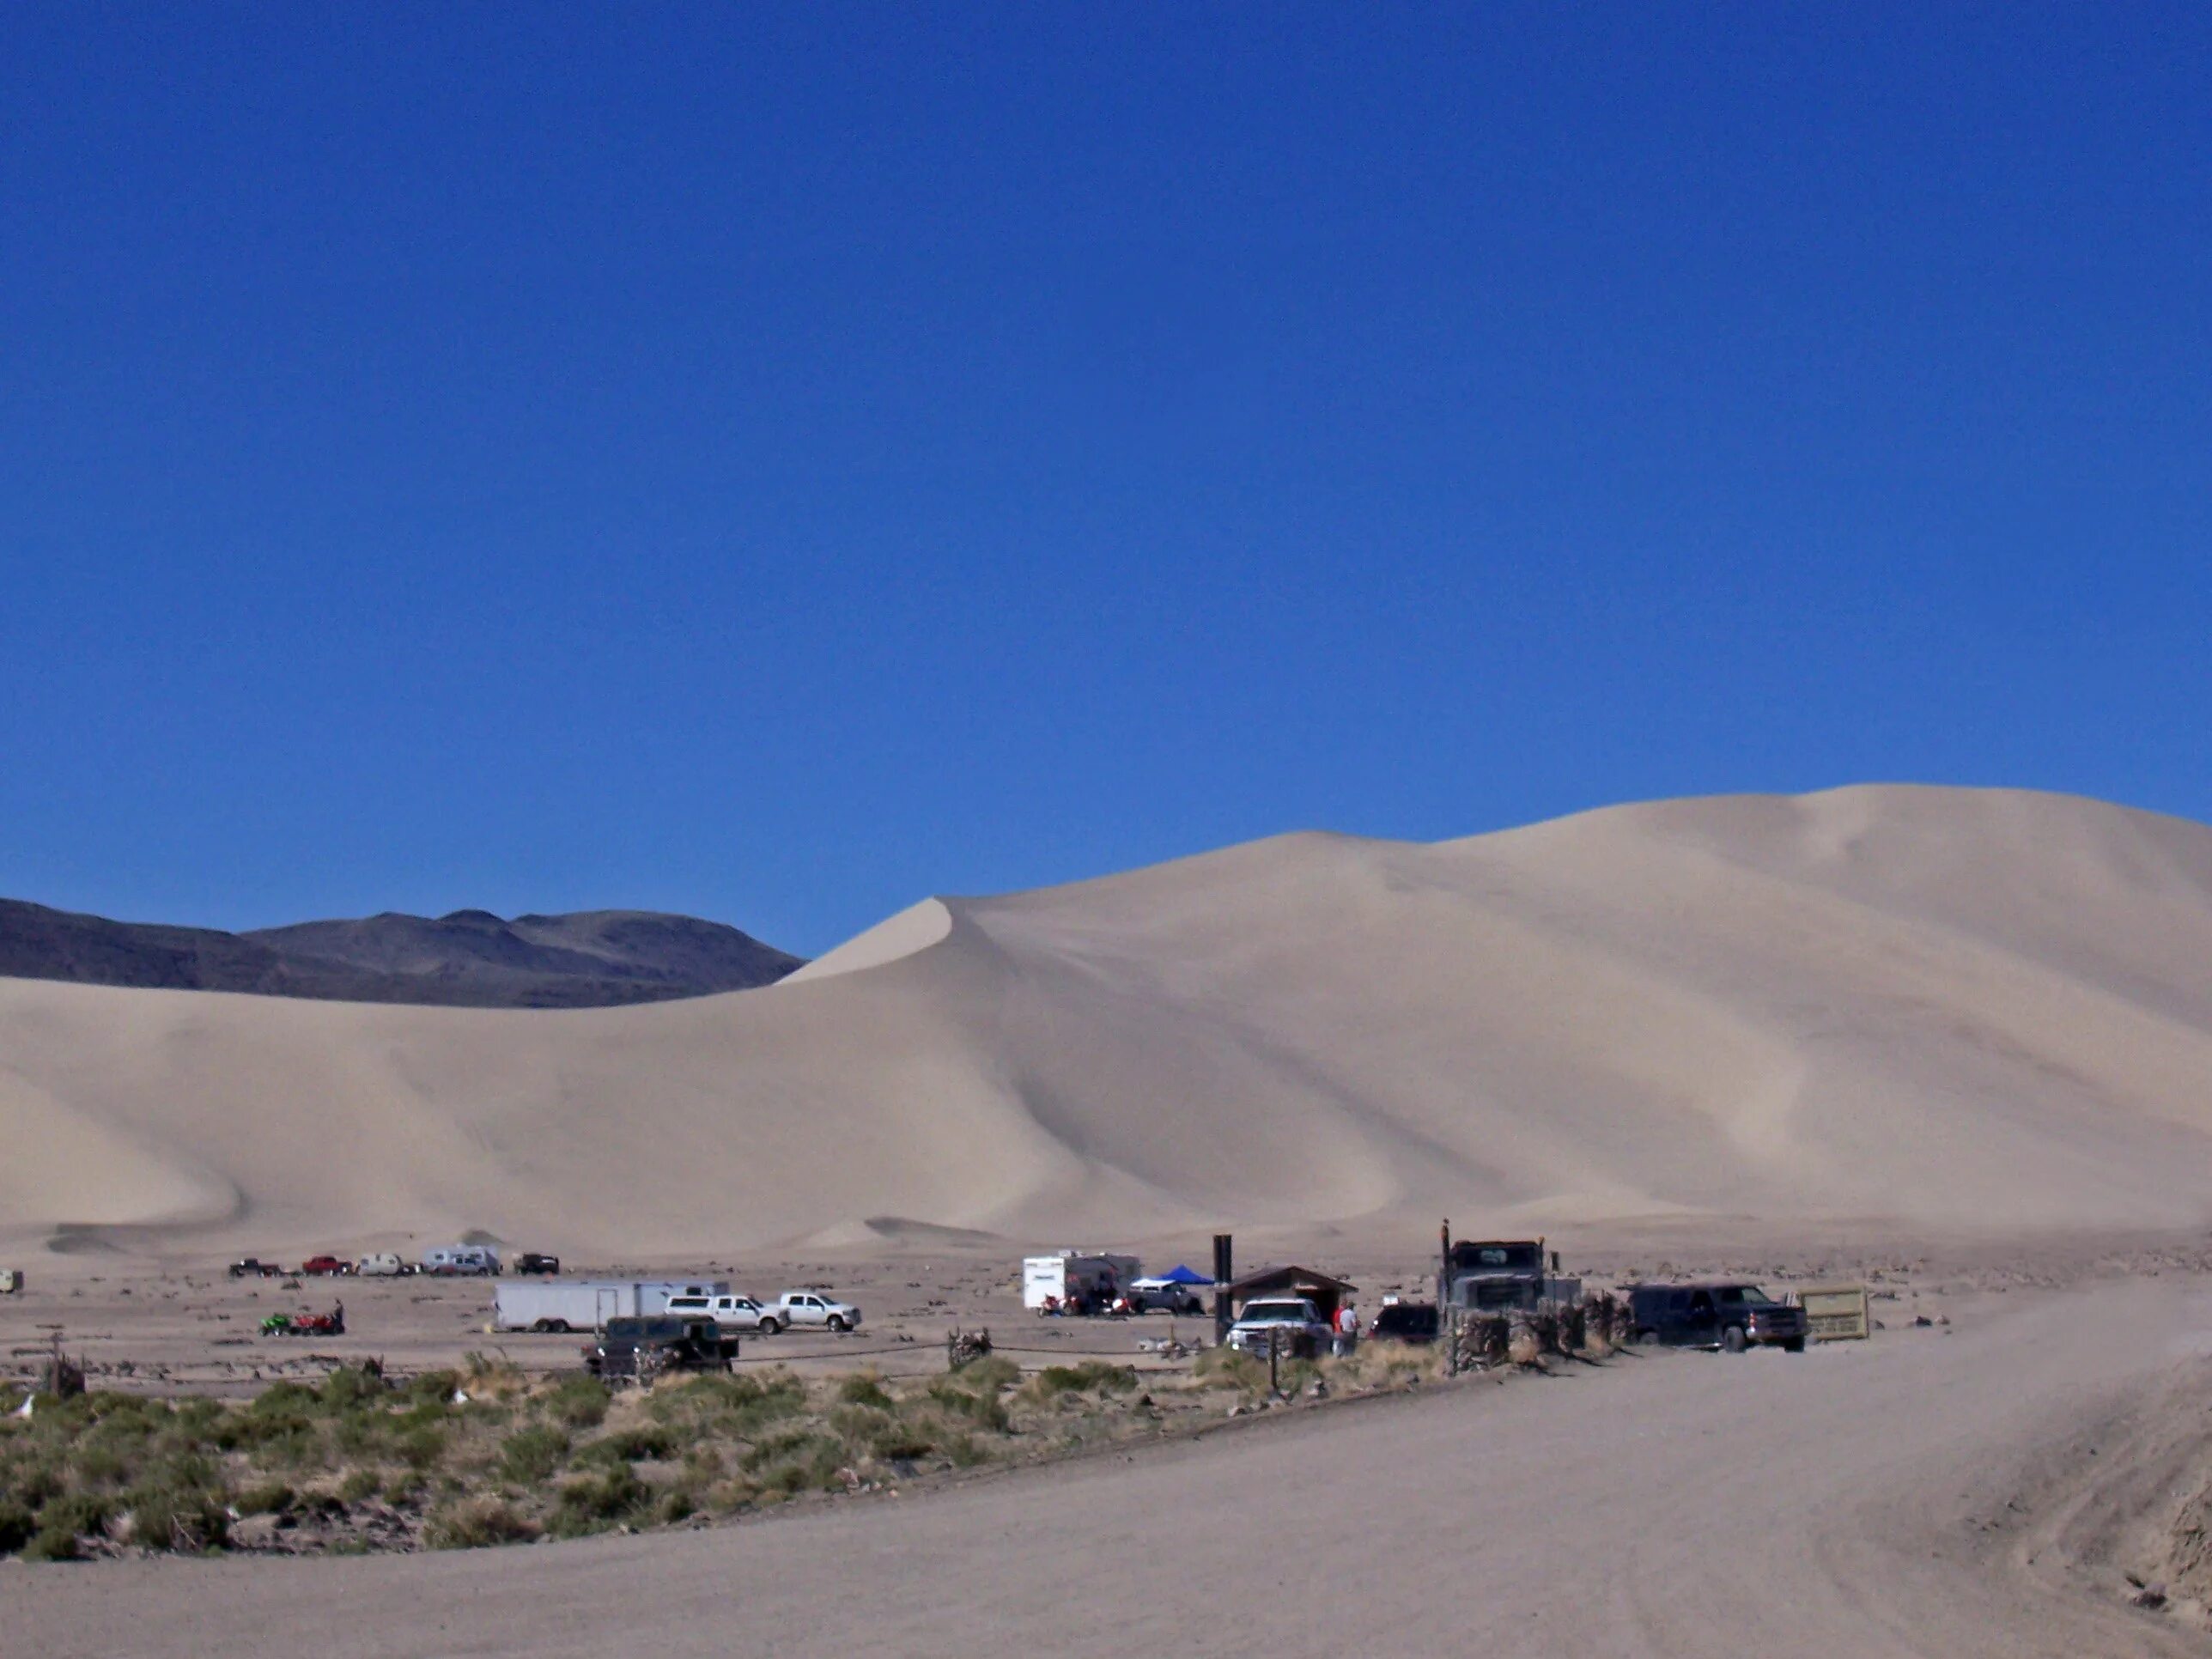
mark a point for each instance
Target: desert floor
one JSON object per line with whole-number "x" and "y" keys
{"x": 1973, "y": 1485}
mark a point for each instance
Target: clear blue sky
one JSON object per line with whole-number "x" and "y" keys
{"x": 777, "y": 462}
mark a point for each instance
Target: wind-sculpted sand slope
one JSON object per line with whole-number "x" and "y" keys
{"x": 1963, "y": 1010}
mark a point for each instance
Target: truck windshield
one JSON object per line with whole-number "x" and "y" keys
{"x": 1275, "y": 1313}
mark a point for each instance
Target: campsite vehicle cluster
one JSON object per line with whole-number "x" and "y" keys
{"x": 447, "y": 1261}
{"x": 1297, "y": 1311}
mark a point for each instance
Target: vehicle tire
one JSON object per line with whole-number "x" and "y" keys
{"x": 1647, "y": 1338}
{"x": 1795, "y": 1344}
{"x": 1732, "y": 1339}
{"x": 769, "y": 1328}
{"x": 837, "y": 1323}
{"x": 542, "y": 1328}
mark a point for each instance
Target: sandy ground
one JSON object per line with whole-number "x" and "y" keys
{"x": 1920, "y": 1494}
{"x": 1953, "y": 1010}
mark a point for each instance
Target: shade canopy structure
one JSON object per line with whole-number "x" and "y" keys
{"x": 1180, "y": 1274}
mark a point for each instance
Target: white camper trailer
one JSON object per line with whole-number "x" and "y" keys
{"x": 1051, "y": 1283}
{"x": 585, "y": 1304}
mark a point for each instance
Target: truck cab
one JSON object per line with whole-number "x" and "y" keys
{"x": 1293, "y": 1321}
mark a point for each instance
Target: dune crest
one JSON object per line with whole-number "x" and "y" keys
{"x": 912, "y": 930}
{"x": 1973, "y": 1010}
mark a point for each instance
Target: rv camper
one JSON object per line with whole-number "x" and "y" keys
{"x": 1075, "y": 1281}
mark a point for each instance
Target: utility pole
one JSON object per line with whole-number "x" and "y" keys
{"x": 1224, "y": 1271}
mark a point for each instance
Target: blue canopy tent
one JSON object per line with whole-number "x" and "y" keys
{"x": 1180, "y": 1274}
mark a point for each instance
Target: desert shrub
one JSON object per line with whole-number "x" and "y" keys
{"x": 17, "y": 1526}
{"x": 349, "y": 1388}
{"x": 1230, "y": 1368}
{"x": 100, "y": 1466}
{"x": 489, "y": 1371}
{"x": 285, "y": 1399}
{"x": 34, "y": 1480}
{"x": 626, "y": 1446}
{"x": 269, "y": 1497}
{"x": 801, "y": 1459}
{"x": 965, "y": 1451}
{"x": 863, "y": 1388}
{"x": 421, "y": 1447}
{"x": 432, "y": 1388}
{"x": 65, "y": 1521}
{"x": 1055, "y": 1382}
{"x": 581, "y": 1402}
{"x": 734, "y": 1407}
{"x": 531, "y": 1455}
{"x": 172, "y": 1513}
{"x": 986, "y": 1375}
{"x": 359, "y": 1486}
{"x": 985, "y": 1410}
{"x": 676, "y": 1505}
{"x": 599, "y": 1501}
{"x": 476, "y": 1524}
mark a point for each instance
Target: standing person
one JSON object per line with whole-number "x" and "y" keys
{"x": 1347, "y": 1329}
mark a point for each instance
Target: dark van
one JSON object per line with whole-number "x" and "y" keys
{"x": 1726, "y": 1314}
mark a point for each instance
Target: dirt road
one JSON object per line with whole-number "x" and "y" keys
{"x": 1899, "y": 1498}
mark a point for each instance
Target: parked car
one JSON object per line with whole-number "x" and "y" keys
{"x": 1414, "y": 1322}
{"x": 1292, "y": 1320}
{"x": 254, "y": 1267}
{"x": 731, "y": 1313}
{"x": 1731, "y": 1315}
{"x": 325, "y": 1267}
{"x": 1164, "y": 1296}
{"x": 531, "y": 1263}
{"x": 798, "y": 1308}
{"x": 659, "y": 1342}
{"x": 383, "y": 1265}
{"x": 447, "y": 1261}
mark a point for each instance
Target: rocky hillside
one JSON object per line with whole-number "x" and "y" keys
{"x": 468, "y": 959}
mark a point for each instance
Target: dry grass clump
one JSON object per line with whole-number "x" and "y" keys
{"x": 476, "y": 1524}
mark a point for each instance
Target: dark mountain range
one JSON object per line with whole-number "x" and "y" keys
{"x": 472, "y": 958}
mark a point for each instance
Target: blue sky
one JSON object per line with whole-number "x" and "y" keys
{"x": 775, "y": 463}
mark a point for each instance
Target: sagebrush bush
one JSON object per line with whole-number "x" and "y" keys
{"x": 864, "y": 1389}
{"x": 579, "y": 1401}
{"x": 530, "y": 1456}
{"x": 476, "y": 1524}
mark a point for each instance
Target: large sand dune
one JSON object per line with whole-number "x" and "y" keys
{"x": 1960, "y": 1011}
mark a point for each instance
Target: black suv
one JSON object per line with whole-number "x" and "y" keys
{"x": 1404, "y": 1322}
{"x": 531, "y": 1263}
{"x": 663, "y": 1342}
{"x": 1723, "y": 1313}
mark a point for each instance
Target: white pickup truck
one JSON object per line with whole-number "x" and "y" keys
{"x": 797, "y": 1307}
{"x": 1293, "y": 1320}
{"x": 731, "y": 1313}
